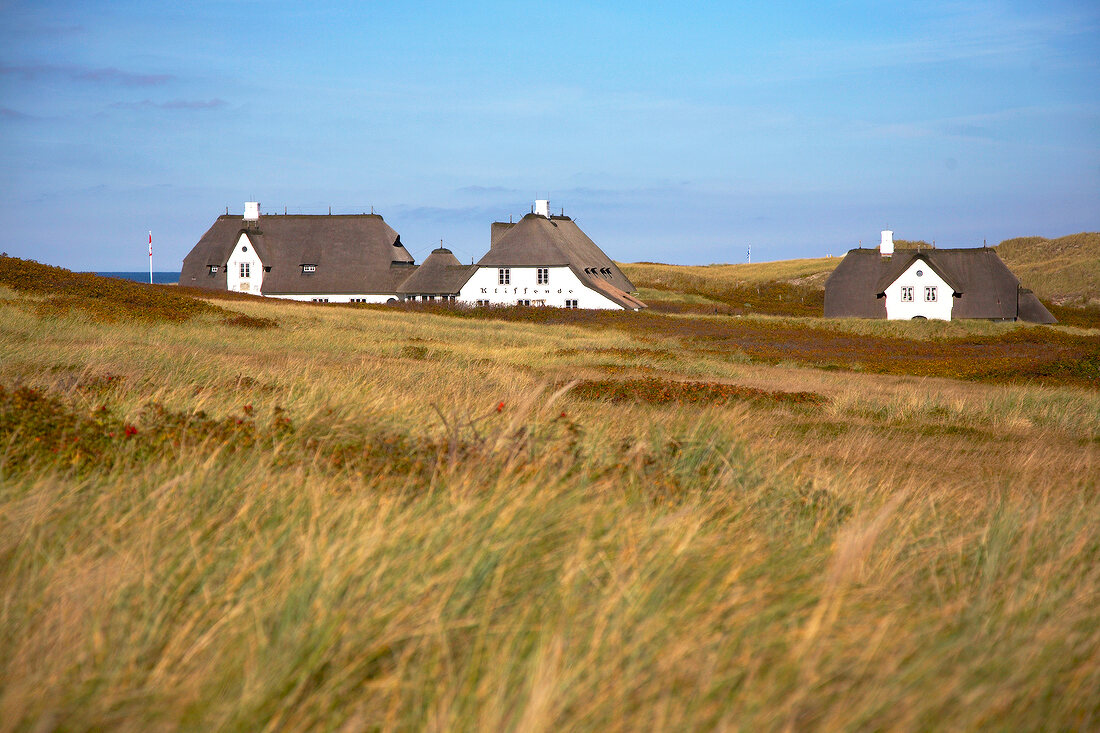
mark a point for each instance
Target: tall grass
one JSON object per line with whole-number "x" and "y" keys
{"x": 392, "y": 520}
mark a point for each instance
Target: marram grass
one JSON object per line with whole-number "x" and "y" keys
{"x": 366, "y": 519}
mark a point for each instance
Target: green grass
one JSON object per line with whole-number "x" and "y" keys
{"x": 371, "y": 518}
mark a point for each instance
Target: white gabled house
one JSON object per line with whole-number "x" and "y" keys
{"x": 941, "y": 284}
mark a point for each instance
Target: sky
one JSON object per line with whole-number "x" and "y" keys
{"x": 671, "y": 132}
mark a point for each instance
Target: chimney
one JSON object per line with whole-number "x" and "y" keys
{"x": 886, "y": 247}
{"x": 251, "y": 210}
{"x": 542, "y": 207}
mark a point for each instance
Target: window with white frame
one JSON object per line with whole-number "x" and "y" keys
{"x": 306, "y": 269}
{"x": 213, "y": 269}
{"x": 523, "y": 301}
{"x": 481, "y": 303}
{"x": 930, "y": 294}
{"x": 906, "y": 293}
{"x": 244, "y": 269}
{"x": 504, "y": 276}
{"x": 571, "y": 303}
{"x": 542, "y": 276}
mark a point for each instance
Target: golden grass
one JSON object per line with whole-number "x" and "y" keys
{"x": 912, "y": 553}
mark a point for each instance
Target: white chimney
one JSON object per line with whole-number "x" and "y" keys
{"x": 886, "y": 247}
{"x": 251, "y": 210}
{"x": 542, "y": 207}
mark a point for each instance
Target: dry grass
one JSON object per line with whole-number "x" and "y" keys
{"x": 1064, "y": 270}
{"x": 393, "y": 520}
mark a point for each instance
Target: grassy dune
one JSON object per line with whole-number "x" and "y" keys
{"x": 369, "y": 518}
{"x": 1063, "y": 272}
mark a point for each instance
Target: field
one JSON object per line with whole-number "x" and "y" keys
{"x": 240, "y": 514}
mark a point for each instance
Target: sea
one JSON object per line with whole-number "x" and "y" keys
{"x": 162, "y": 278}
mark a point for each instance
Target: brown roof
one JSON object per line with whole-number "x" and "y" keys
{"x": 626, "y": 300}
{"x": 356, "y": 253}
{"x": 555, "y": 242}
{"x": 440, "y": 274}
{"x": 983, "y": 285}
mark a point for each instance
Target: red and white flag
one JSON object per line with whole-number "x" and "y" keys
{"x": 150, "y": 244}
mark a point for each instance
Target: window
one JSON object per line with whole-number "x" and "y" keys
{"x": 572, "y": 304}
{"x": 244, "y": 269}
{"x": 213, "y": 269}
{"x": 481, "y": 303}
{"x": 320, "y": 300}
{"x": 542, "y": 276}
{"x": 306, "y": 269}
{"x": 426, "y": 298}
{"x": 523, "y": 302}
{"x": 906, "y": 293}
{"x": 504, "y": 276}
{"x": 930, "y": 294}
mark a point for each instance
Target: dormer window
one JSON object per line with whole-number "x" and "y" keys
{"x": 213, "y": 269}
{"x": 309, "y": 269}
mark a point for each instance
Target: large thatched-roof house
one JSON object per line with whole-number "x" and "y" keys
{"x": 547, "y": 260}
{"x": 540, "y": 260}
{"x": 328, "y": 258}
{"x": 929, "y": 283}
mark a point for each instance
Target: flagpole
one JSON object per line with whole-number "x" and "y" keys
{"x": 150, "y": 257}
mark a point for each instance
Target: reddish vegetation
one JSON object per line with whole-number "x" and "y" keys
{"x": 655, "y": 391}
{"x": 1034, "y": 353}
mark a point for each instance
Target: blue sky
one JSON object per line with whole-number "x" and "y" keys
{"x": 671, "y": 132}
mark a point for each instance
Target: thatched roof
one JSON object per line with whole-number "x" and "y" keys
{"x": 440, "y": 274}
{"x": 983, "y": 285}
{"x": 357, "y": 253}
{"x": 536, "y": 241}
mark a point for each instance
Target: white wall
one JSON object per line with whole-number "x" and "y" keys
{"x": 896, "y": 309}
{"x": 563, "y": 285}
{"x": 244, "y": 252}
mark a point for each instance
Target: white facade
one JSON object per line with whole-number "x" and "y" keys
{"x": 244, "y": 273}
{"x": 919, "y": 293}
{"x": 485, "y": 287}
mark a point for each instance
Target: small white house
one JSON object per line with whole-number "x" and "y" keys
{"x": 928, "y": 283}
